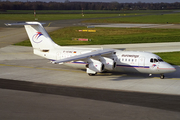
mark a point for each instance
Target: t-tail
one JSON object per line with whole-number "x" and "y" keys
{"x": 40, "y": 40}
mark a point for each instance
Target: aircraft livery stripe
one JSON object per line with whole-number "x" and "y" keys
{"x": 116, "y": 65}
{"x": 132, "y": 66}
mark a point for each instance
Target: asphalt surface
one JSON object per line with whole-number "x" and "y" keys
{"x": 44, "y": 101}
{"x": 20, "y": 105}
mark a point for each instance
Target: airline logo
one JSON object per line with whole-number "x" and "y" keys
{"x": 153, "y": 66}
{"x": 36, "y": 37}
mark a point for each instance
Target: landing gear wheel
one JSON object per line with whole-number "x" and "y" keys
{"x": 90, "y": 74}
{"x": 162, "y": 76}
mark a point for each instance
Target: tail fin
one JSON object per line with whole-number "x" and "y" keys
{"x": 38, "y": 36}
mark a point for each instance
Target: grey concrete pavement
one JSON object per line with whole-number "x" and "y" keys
{"x": 134, "y": 25}
{"x": 22, "y": 64}
{"x": 110, "y": 95}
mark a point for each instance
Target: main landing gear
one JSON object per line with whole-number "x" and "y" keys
{"x": 91, "y": 74}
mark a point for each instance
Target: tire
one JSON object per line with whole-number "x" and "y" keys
{"x": 162, "y": 76}
{"x": 90, "y": 74}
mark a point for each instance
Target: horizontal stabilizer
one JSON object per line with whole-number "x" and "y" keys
{"x": 23, "y": 23}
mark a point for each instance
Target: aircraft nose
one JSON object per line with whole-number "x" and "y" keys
{"x": 171, "y": 68}
{"x": 167, "y": 68}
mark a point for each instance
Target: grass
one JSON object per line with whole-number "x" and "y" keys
{"x": 170, "y": 57}
{"x": 109, "y": 16}
{"x": 44, "y": 15}
{"x": 85, "y": 11}
{"x": 112, "y": 36}
{"x": 117, "y": 36}
{"x": 156, "y": 19}
{"x": 48, "y": 17}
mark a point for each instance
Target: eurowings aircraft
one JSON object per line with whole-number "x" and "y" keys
{"x": 94, "y": 60}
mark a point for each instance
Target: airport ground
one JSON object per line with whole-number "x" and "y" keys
{"x": 32, "y": 88}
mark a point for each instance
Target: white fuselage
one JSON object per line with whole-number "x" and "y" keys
{"x": 126, "y": 61}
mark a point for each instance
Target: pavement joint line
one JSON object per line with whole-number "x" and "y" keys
{"x": 16, "y": 53}
{"x": 16, "y": 66}
{"x": 41, "y": 68}
{"x": 175, "y": 78}
{"x": 58, "y": 69}
{"x": 7, "y": 42}
{"x": 9, "y": 35}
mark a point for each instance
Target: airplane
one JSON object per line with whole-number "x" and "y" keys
{"x": 94, "y": 60}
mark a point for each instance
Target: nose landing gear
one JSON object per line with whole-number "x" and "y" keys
{"x": 162, "y": 76}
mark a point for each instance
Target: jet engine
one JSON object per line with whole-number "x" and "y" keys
{"x": 95, "y": 66}
{"x": 109, "y": 64}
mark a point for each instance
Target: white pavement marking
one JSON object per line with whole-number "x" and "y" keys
{"x": 131, "y": 25}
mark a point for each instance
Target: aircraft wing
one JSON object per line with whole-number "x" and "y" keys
{"x": 84, "y": 56}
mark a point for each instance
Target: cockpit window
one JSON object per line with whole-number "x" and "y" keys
{"x": 160, "y": 60}
{"x": 154, "y": 60}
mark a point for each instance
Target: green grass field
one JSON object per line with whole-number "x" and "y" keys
{"x": 44, "y": 15}
{"x": 48, "y": 17}
{"x": 128, "y": 16}
{"x": 85, "y": 11}
{"x": 170, "y": 57}
{"x": 113, "y": 36}
{"x": 117, "y": 36}
{"x": 156, "y": 19}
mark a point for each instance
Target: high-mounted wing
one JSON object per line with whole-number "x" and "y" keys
{"x": 85, "y": 56}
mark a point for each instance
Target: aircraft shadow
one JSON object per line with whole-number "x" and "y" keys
{"x": 118, "y": 76}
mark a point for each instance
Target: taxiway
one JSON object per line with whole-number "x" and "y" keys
{"x": 19, "y": 63}
{"x": 105, "y": 96}
{"x": 33, "y": 88}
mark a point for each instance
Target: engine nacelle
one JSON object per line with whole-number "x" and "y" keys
{"x": 109, "y": 64}
{"x": 95, "y": 66}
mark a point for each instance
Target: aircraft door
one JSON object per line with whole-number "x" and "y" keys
{"x": 58, "y": 55}
{"x": 141, "y": 61}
